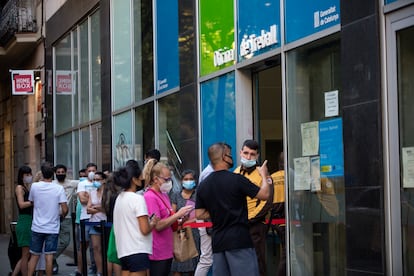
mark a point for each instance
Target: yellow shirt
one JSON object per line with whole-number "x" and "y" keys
{"x": 254, "y": 206}
{"x": 278, "y": 186}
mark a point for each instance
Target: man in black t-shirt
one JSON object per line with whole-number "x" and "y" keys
{"x": 222, "y": 196}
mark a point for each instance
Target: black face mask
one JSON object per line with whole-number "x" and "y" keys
{"x": 61, "y": 177}
{"x": 230, "y": 164}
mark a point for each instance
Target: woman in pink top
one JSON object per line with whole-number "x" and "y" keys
{"x": 158, "y": 203}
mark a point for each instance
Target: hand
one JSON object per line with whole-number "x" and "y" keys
{"x": 263, "y": 169}
{"x": 154, "y": 220}
{"x": 184, "y": 211}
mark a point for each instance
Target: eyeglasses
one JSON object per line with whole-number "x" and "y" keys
{"x": 165, "y": 179}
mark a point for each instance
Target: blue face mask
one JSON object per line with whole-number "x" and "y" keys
{"x": 82, "y": 179}
{"x": 248, "y": 163}
{"x": 189, "y": 184}
{"x": 97, "y": 184}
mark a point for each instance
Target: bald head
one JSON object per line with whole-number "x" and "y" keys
{"x": 217, "y": 152}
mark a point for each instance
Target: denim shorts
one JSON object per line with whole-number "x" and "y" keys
{"x": 87, "y": 230}
{"x": 38, "y": 239}
{"x": 135, "y": 262}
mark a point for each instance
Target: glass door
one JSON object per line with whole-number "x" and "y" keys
{"x": 400, "y": 63}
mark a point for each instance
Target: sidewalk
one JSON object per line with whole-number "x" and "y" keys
{"x": 65, "y": 258}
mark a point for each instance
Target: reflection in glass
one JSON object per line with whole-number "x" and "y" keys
{"x": 178, "y": 130}
{"x": 144, "y": 130}
{"x": 317, "y": 229}
{"x": 63, "y": 102}
{"x": 95, "y": 66}
{"x": 123, "y": 149}
{"x": 84, "y": 72}
{"x": 85, "y": 146}
{"x": 64, "y": 144}
{"x": 405, "y": 63}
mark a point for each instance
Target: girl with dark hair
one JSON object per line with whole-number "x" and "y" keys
{"x": 186, "y": 197}
{"x": 132, "y": 227}
{"x": 24, "y": 222}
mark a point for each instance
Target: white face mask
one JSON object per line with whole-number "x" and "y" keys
{"x": 28, "y": 179}
{"x": 166, "y": 187}
{"x": 91, "y": 175}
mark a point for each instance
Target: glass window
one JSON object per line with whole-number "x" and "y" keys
{"x": 85, "y": 146}
{"x": 63, "y": 101}
{"x": 121, "y": 54}
{"x": 405, "y": 68}
{"x": 76, "y": 151}
{"x": 218, "y": 111}
{"x": 123, "y": 149}
{"x": 143, "y": 50}
{"x": 75, "y": 87}
{"x": 95, "y": 66}
{"x": 64, "y": 156}
{"x": 144, "y": 130}
{"x": 316, "y": 193}
{"x": 84, "y": 71}
{"x": 178, "y": 128}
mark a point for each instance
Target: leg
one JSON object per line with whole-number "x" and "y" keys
{"x": 97, "y": 251}
{"x": 221, "y": 267}
{"x": 32, "y": 264}
{"x": 258, "y": 234}
{"x": 206, "y": 256}
{"x": 49, "y": 264}
{"x": 242, "y": 262}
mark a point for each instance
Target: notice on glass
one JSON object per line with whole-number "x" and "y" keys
{"x": 302, "y": 173}
{"x": 310, "y": 138}
{"x": 331, "y": 103}
{"x": 315, "y": 172}
{"x": 331, "y": 148}
{"x": 408, "y": 167}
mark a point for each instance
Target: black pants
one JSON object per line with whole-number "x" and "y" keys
{"x": 258, "y": 232}
{"x": 160, "y": 268}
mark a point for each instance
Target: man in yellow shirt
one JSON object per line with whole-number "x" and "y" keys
{"x": 257, "y": 209}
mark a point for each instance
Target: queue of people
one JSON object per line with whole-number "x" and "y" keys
{"x": 143, "y": 213}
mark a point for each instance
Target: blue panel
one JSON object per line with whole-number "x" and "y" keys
{"x": 331, "y": 148}
{"x": 167, "y": 45}
{"x": 218, "y": 114}
{"x": 259, "y": 27}
{"x": 304, "y": 17}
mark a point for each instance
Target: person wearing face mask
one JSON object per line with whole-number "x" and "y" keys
{"x": 66, "y": 223}
{"x": 84, "y": 187}
{"x": 186, "y": 197}
{"x": 158, "y": 203}
{"x": 256, "y": 210}
{"x": 222, "y": 197}
{"x": 97, "y": 212}
{"x": 24, "y": 221}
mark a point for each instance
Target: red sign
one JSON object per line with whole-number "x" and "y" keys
{"x": 22, "y": 82}
{"x": 63, "y": 82}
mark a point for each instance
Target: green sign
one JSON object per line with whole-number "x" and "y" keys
{"x": 216, "y": 35}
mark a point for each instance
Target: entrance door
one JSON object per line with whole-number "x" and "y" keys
{"x": 268, "y": 130}
{"x": 268, "y": 126}
{"x": 400, "y": 63}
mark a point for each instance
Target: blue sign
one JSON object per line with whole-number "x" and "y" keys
{"x": 218, "y": 114}
{"x": 167, "y": 74}
{"x": 331, "y": 148}
{"x": 304, "y": 17}
{"x": 259, "y": 27}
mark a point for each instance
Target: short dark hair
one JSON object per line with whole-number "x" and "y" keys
{"x": 91, "y": 165}
{"x": 47, "y": 170}
{"x": 153, "y": 153}
{"x": 251, "y": 144}
{"x": 61, "y": 166}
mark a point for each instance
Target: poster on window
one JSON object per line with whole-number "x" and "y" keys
{"x": 22, "y": 82}
{"x": 64, "y": 82}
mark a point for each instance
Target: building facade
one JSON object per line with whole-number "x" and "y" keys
{"x": 326, "y": 82}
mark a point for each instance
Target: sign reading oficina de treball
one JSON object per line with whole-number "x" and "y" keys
{"x": 258, "y": 27}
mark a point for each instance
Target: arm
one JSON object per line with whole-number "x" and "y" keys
{"x": 146, "y": 226}
{"x": 83, "y": 197}
{"x": 167, "y": 222}
{"x": 202, "y": 214}
{"x": 20, "y": 198}
{"x": 64, "y": 208}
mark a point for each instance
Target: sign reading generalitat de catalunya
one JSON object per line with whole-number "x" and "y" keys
{"x": 22, "y": 82}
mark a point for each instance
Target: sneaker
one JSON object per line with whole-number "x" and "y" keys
{"x": 55, "y": 269}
